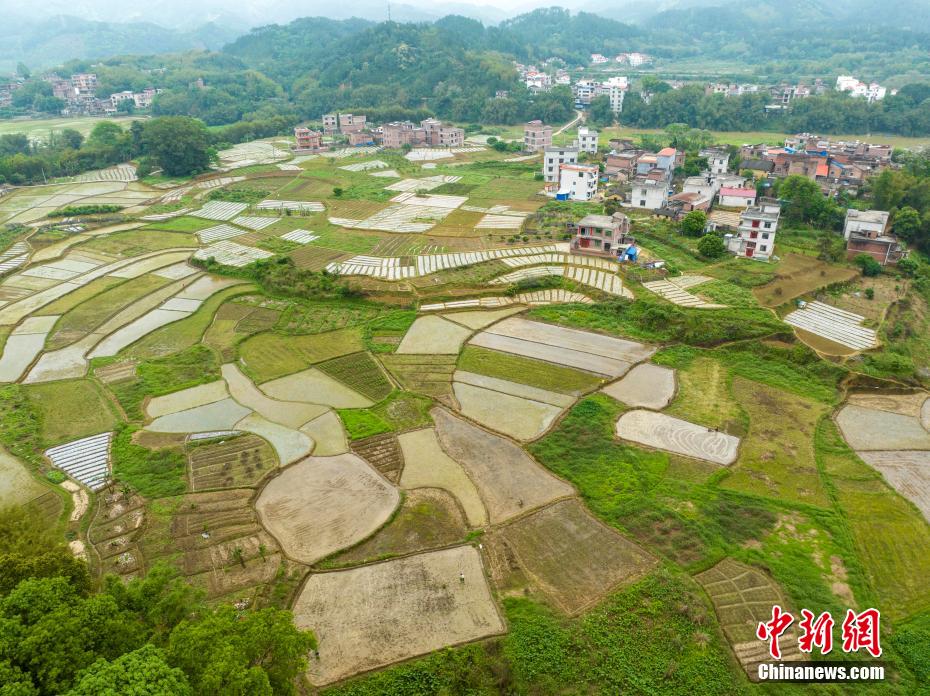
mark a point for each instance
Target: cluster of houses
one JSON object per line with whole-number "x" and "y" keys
{"x": 79, "y": 93}
{"x": 354, "y": 129}
{"x": 634, "y": 60}
{"x": 870, "y": 91}
{"x": 833, "y": 164}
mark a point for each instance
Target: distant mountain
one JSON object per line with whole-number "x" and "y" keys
{"x": 60, "y": 39}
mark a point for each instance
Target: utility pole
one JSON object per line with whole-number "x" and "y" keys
{"x": 389, "y": 11}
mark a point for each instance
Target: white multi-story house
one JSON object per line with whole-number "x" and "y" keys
{"x": 717, "y": 160}
{"x": 865, "y": 222}
{"x": 587, "y": 140}
{"x": 856, "y": 88}
{"x": 554, "y": 158}
{"x": 597, "y": 58}
{"x": 577, "y": 182}
{"x": 755, "y": 236}
{"x": 649, "y": 194}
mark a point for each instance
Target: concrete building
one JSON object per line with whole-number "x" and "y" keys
{"x": 439, "y": 134}
{"x": 587, "y": 140}
{"x": 307, "y": 139}
{"x": 330, "y": 123}
{"x": 866, "y": 232}
{"x": 577, "y": 182}
{"x": 755, "y": 236}
{"x": 706, "y": 186}
{"x": 649, "y": 194}
{"x": 736, "y": 197}
{"x": 717, "y": 160}
{"x": 399, "y": 133}
{"x": 601, "y": 234}
{"x": 351, "y": 123}
{"x": 554, "y": 158}
{"x": 84, "y": 83}
{"x": 537, "y": 136}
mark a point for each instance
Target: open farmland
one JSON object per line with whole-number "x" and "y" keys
{"x": 465, "y": 457}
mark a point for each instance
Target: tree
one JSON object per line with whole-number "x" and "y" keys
{"x": 907, "y": 223}
{"x": 870, "y": 267}
{"x": 179, "y": 144}
{"x": 106, "y": 134}
{"x": 143, "y": 671}
{"x": 257, "y": 653}
{"x": 599, "y": 113}
{"x": 72, "y": 138}
{"x": 711, "y": 246}
{"x": 694, "y": 223}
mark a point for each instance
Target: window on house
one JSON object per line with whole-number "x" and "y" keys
{"x": 642, "y": 204}
{"x": 762, "y": 248}
{"x": 765, "y": 235}
{"x": 768, "y": 225}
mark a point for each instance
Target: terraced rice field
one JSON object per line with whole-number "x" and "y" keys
{"x": 645, "y": 386}
{"x": 507, "y": 478}
{"x": 383, "y": 453}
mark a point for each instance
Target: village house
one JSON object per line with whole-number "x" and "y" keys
{"x": 577, "y": 182}
{"x": 361, "y": 138}
{"x": 718, "y": 161}
{"x": 683, "y": 203}
{"x": 330, "y": 123}
{"x": 397, "y": 134}
{"x": 705, "y": 185}
{"x": 601, "y": 234}
{"x": 307, "y": 140}
{"x": 587, "y": 140}
{"x": 554, "y": 158}
{"x": 537, "y": 136}
{"x": 351, "y": 123}
{"x": 755, "y": 236}
{"x": 622, "y": 165}
{"x": 866, "y": 232}
{"x": 439, "y": 134}
{"x": 736, "y": 197}
{"x": 649, "y": 193}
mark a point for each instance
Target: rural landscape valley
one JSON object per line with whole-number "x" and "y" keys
{"x": 351, "y": 390}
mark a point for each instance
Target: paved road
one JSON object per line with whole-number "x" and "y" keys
{"x": 578, "y": 116}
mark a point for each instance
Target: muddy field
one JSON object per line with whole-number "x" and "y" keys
{"x": 377, "y": 614}
{"x": 907, "y": 472}
{"x": 675, "y": 435}
{"x": 509, "y": 480}
{"x": 645, "y": 386}
{"x": 324, "y": 504}
{"x": 567, "y": 555}
{"x": 871, "y": 429}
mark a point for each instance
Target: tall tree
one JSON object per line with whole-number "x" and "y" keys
{"x": 179, "y": 144}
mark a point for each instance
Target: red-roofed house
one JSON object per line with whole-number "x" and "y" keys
{"x": 736, "y": 197}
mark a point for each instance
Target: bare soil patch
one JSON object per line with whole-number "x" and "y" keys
{"x": 567, "y": 555}
{"x": 871, "y": 429}
{"x": 645, "y": 386}
{"x": 374, "y": 615}
{"x": 324, "y": 504}
{"x": 907, "y": 472}
{"x": 509, "y": 480}
{"x": 433, "y": 335}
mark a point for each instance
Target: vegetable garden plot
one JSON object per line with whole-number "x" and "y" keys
{"x": 86, "y": 460}
{"x": 220, "y": 210}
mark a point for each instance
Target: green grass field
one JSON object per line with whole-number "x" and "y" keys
{"x": 535, "y": 373}
{"x": 268, "y": 356}
{"x": 39, "y": 129}
{"x": 68, "y": 410}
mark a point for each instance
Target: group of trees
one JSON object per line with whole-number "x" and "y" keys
{"x": 906, "y": 193}
{"x": 907, "y": 113}
{"x": 63, "y": 633}
{"x": 178, "y": 145}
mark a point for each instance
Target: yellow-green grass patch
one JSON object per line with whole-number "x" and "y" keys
{"x": 777, "y": 454}
{"x": 137, "y": 242}
{"x": 182, "y": 224}
{"x": 798, "y": 275}
{"x": 268, "y": 356}
{"x": 426, "y": 374}
{"x": 535, "y": 373}
{"x": 889, "y": 533}
{"x": 704, "y": 397}
{"x": 71, "y": 409}
{"x": 65, "y": 304}
{"x": 400, "y": 411}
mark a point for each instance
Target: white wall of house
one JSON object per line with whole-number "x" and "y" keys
{"x": 648, "y": 197}
{"x": 553, "y": 158}
{"x": 736, "y": 201}
{"x": 581, "y": 184}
